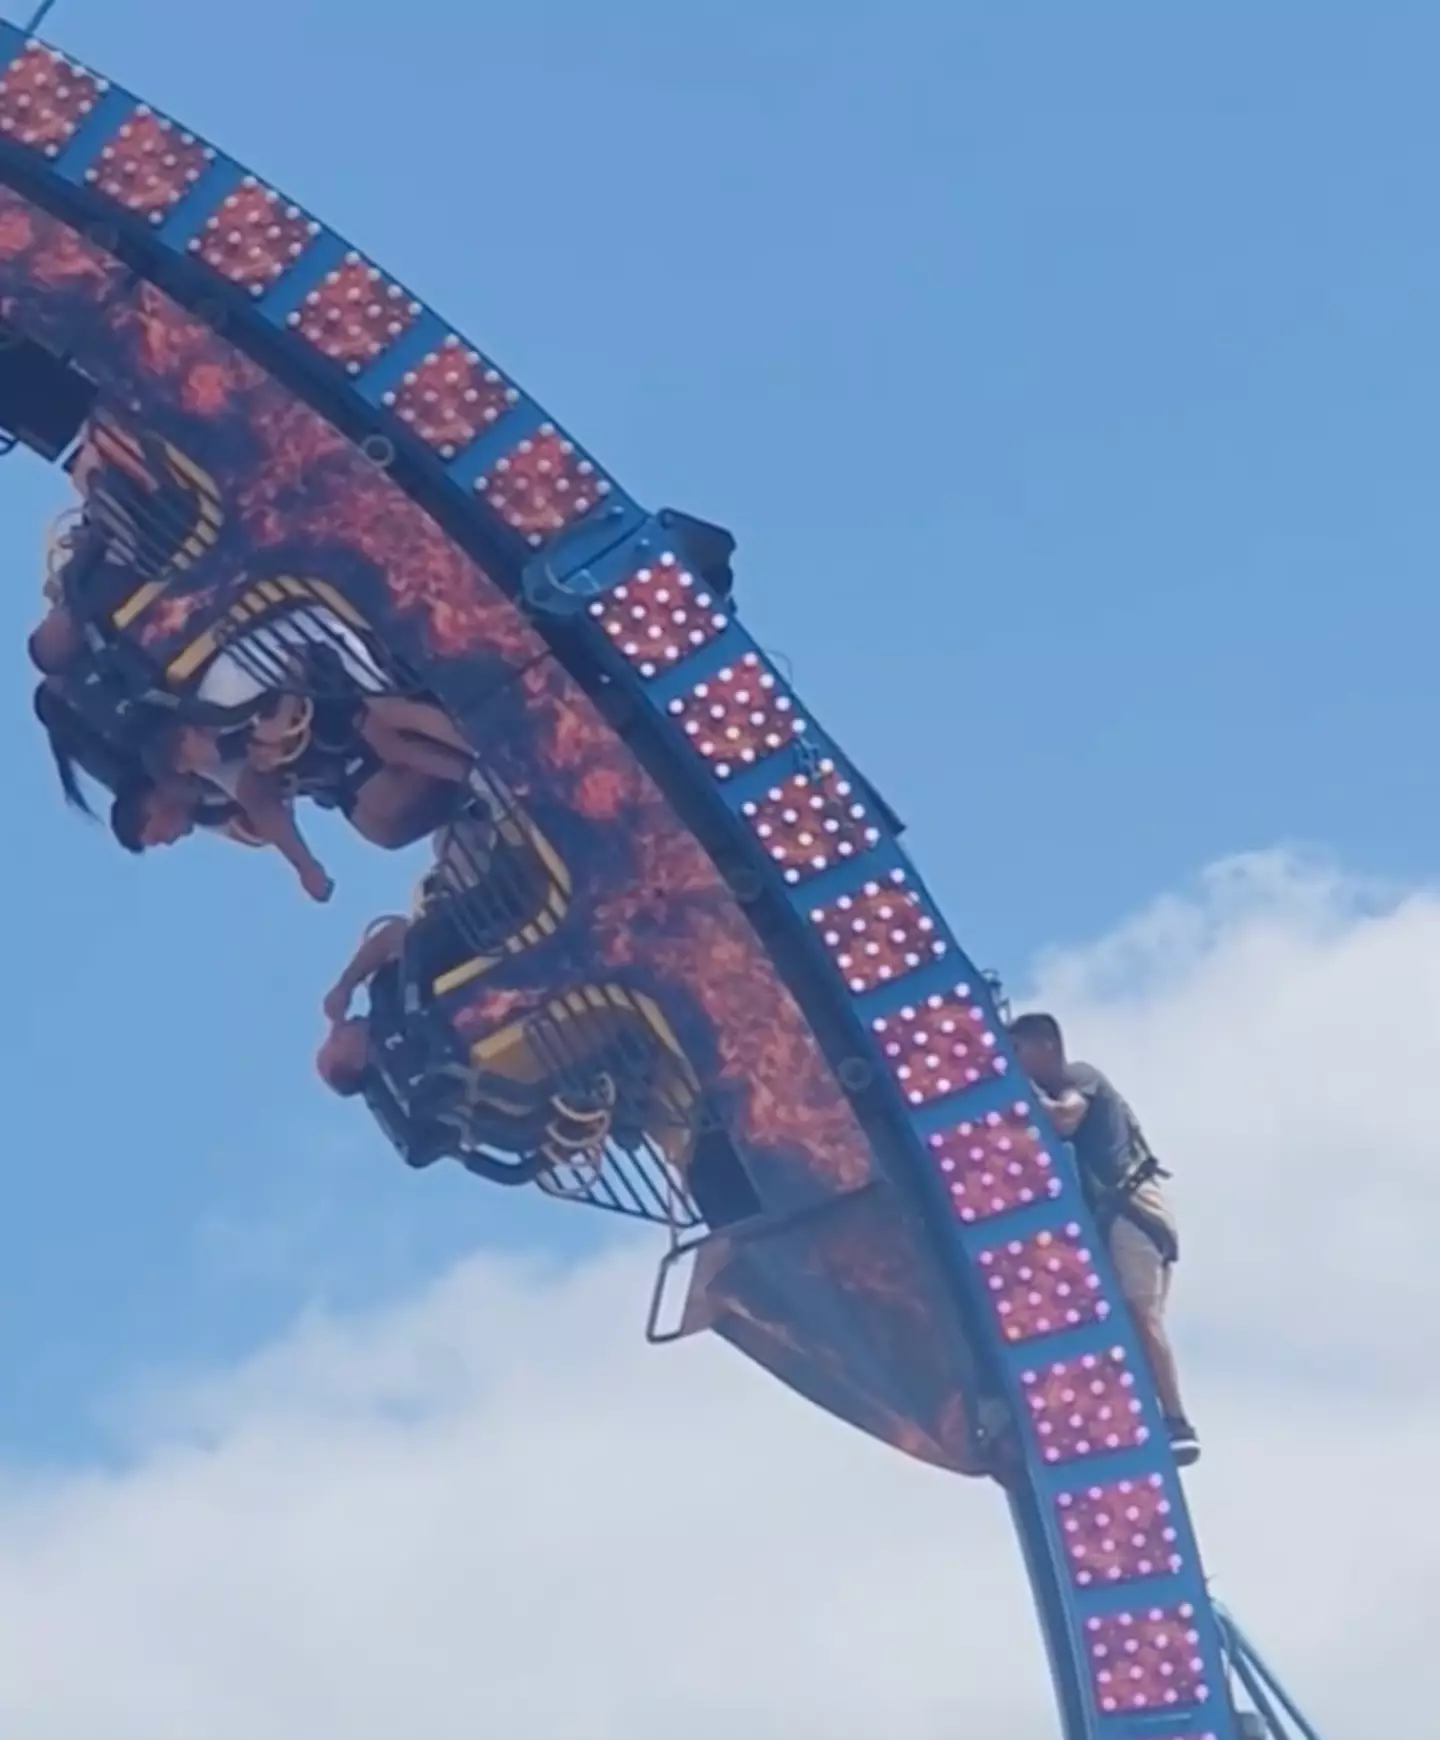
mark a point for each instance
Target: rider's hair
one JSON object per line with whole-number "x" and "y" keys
{"x": 66, "y": 733}
{"x": 127, "y": 814}
{"x": 156, "y": 739}
{"x": 1043, "y": 1029}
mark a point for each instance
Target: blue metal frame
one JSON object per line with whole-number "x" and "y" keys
{"x": 581, "y": 567}
{"x": 1275, "y": 1714}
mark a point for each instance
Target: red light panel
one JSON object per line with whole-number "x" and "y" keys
{"x": 355, "y": 314}
{"x": 449, "y": 397}
{"x": 44, "y": 98}
{"x": 1084, "y": 1406}
{"x": 659, "y": 616}
{"x": 1042, "y": 1285}
{"x": 255, "y": 237}
{"x": 150, "y": 165}
{"x": 878, "y": 934}
{"x": 995, "y": 1164}
{"x": 1148, "y": 1660}
{"x": 811, "y": 821}
{"x": 941, "y": 1046}
{"x": 542, "y": 485}
{"x": 737, "y": 717}
{"x": 1117, "y": 1533}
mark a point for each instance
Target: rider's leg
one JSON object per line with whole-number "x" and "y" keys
{"x": 417, "y": 735}
{"x": 1144, "y": 1276}
{"x": 395, "y": 809}
{"x": 424, "y": 718}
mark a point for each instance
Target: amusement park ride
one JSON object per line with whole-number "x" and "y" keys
{"x": 672, "y": 961}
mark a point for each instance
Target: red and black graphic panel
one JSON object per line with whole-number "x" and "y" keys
{"x": 634, "y": 927}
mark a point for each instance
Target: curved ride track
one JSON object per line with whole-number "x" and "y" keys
{"x": 917, "y": 1257}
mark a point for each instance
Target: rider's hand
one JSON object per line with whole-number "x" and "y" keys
{"x": 336, "y": 1004}
{"x": 316, "y": 883}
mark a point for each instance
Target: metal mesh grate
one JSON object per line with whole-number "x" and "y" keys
{"x": 640, "y": 1183}
{"x": 652, "y": 1117}
{"x": 609, "y": 1125}
{"x": 714, "y": 1192}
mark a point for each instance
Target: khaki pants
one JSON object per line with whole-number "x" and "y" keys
{"x": 1143, "y": 1273}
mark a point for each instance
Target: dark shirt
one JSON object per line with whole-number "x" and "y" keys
{"x": 389, "y": 1030}
{"x": 94, "y": 583}
{"x": 403, "y": 1120}
{"x": 405, "y": 1094}
{"x": 1108, "y": 1141}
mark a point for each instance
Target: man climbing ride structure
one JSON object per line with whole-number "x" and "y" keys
{"x": 1121, "y": 1179}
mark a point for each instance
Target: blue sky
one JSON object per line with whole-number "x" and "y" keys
{"x": 1067, "y": 375}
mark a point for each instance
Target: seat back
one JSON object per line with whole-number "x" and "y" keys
{"x": 158, "y": 509}
{"x": 44, "y": 400}
{"x": 497, "y": 888}
{"x": 595, "y": 1081}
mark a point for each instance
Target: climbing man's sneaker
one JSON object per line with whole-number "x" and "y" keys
{"x": 1184, "y": 1445}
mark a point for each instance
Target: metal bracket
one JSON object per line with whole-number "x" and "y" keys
{"x": 745, "y": 1232}
{"x": 1275, "y": 1715}
{"x": 563, "y": 580}
{"x": 40, "y": 14}
{"x": 995, "y": 985}
{"x": 551, "y": 585}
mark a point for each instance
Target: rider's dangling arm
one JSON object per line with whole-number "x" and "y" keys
{"x": 380, "y": 945}
{"x": 262, "y": 798}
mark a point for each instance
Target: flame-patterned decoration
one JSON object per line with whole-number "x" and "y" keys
{"x": 821, "y": 1000}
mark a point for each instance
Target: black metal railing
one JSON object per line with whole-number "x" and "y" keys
{"x": 304, "y": 648}
{"x": 489, "y": 881}
{"x": 147, "y": 529}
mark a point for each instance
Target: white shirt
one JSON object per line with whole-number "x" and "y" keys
{"x": 233, "y": 680}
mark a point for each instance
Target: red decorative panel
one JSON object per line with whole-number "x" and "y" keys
{"x": 449, "y": 397}
{"x": 1118, "y": 1532}
{"x": 995, "y": 1164}
{"x": 542, "y": 485}
{"x": 44, "y": 98}
{"x": 150, "y": 165}
{"x": 1146, "y": 1660}
{"x": 1082, "y": 1407}
{"x": 879, "y": 934}
{"x": 736, "y": 716}
{"x": 1041, "y": 1285}
{"x": 355, "y": 314}
{"x": 940, "y": 1046}
{"x": 659, "y": 616}
{"x": 810, "y": 822}
{"x": 255, "y": 237}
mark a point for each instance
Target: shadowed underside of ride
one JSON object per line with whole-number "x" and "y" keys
{"x": 672, "y": 961}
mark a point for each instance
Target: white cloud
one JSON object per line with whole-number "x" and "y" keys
{"x": 1279, "y": 1035}
{"x": 495, "y": 1511}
